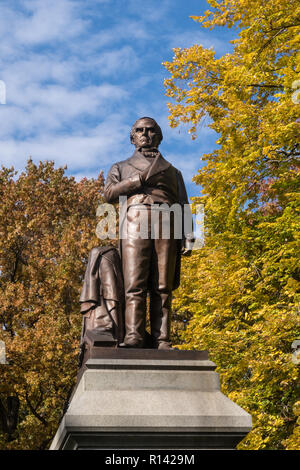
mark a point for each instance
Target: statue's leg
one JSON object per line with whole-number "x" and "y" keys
{"x": 136, "y": 257}
{"x": 162, "y": 276}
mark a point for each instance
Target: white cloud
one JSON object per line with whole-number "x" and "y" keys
{"x": 34, "y": 109}
{"x": 78, "y": 74}
{"x": 36, "y": 68}
{"x": 47, "y": 21}
{"x": 97, "y": 148}
{"x": 153, "y": 11}
{"x": 125, "y": 30}
{"x": 117, "y": 61}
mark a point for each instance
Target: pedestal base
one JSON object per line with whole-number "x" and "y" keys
{"x": 170, "y": 400}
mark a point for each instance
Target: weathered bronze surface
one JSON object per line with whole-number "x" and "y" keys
{"x": 102, "y": 301}
{"x": 149, "y": 265}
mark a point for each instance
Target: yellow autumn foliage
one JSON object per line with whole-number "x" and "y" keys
{"x": 243, "y": 302}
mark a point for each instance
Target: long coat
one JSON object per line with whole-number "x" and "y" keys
{"x": 164, "y": 184}
{"x": 103, "y": 289}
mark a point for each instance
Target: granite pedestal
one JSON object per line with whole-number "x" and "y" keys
{"x": 150, "y": 399}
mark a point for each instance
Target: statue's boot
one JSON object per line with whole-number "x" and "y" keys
{"x": 160, "y": 313}
{"x": 164, "y": 345}
{"x": 134, "y": 327}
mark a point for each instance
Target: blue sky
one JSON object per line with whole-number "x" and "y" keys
{"x": 78, "y": 73}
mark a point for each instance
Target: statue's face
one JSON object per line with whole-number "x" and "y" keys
{"x": 145, "y": 134}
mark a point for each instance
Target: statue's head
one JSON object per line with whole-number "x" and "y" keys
{"x": 146, "y": 133}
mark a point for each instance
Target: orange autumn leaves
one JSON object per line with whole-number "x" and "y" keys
{"x": 47, "y": 226}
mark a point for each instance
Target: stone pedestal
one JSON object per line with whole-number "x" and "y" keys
{"x": 150, "y": 399}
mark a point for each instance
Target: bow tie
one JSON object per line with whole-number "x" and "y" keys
{"x": 149, "y": 152}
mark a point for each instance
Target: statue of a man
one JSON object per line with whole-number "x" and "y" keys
{"x": 150, "y": 264}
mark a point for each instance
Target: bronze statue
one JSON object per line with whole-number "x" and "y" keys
{"x": 102, "y": 301}
{"x": 149, "y": 265}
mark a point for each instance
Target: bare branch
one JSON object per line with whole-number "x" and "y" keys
{"x": 34, "y": 412}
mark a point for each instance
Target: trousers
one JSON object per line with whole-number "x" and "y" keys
{"x": 148, "y": 263}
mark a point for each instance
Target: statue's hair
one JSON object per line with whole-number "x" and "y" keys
{"x": 156, "y": 127}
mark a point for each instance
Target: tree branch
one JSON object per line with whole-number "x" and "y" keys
{"x": 283, "y": 27}
{"x": 34, "y": 412}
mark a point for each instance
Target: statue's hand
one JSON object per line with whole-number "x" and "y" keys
{"x": 186, "y": 252}
{"x": 187, "y": 246}
{"x": 143, "y": 176}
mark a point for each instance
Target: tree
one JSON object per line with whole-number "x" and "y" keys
{"x": 47, "y": 227}
{"x": 244, "y": 304}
